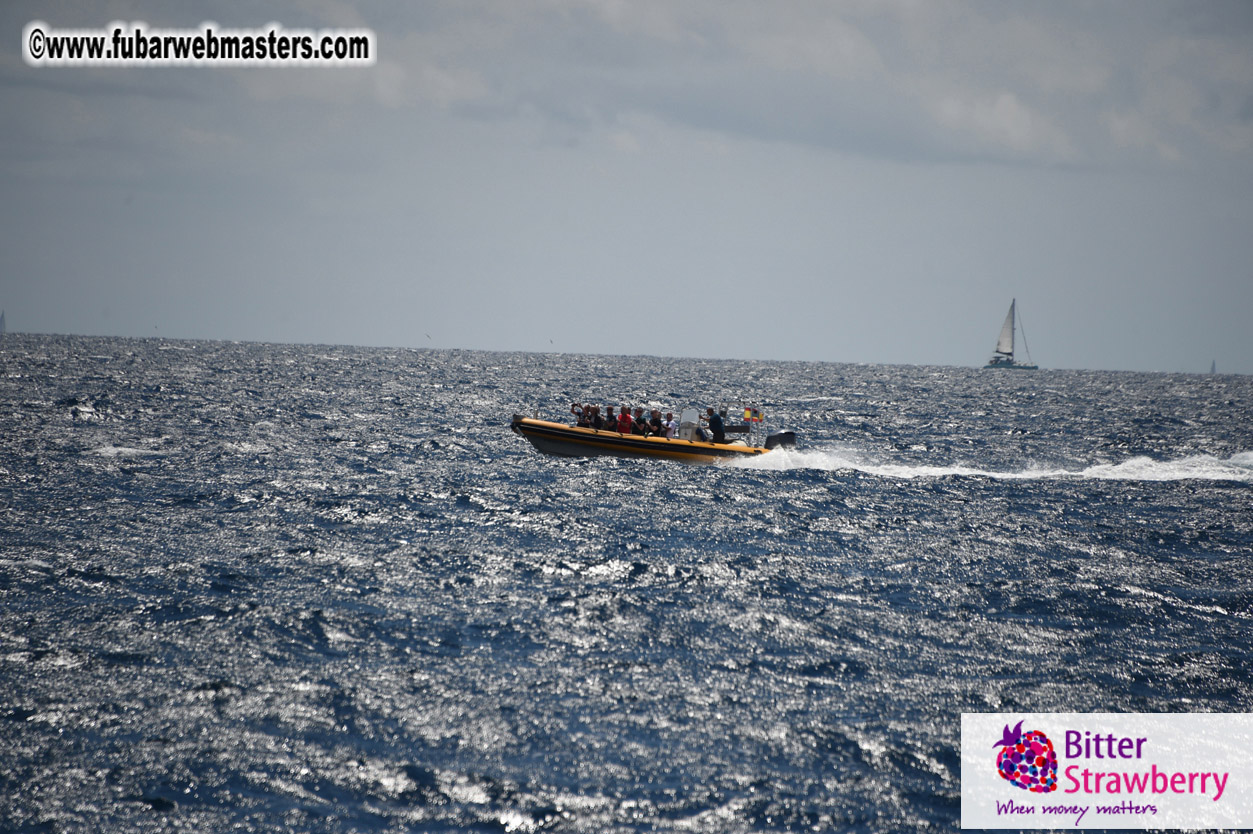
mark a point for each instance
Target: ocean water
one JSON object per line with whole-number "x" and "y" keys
{"x": 304, "y": 588}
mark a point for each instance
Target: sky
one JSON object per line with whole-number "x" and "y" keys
{"x": 851, "y": 181}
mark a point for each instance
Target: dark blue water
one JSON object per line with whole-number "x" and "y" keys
{"x": 255, "y": 587}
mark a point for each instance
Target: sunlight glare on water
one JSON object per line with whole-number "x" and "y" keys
{"x": 272, "y": 587}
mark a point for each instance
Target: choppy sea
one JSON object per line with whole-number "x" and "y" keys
{"x": 250, "y": 587}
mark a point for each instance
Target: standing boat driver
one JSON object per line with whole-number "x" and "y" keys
{"x": 716, "y": 427}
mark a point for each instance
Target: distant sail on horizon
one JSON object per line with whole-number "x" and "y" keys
{"x": 1005, "y": 344}
{"x": 1003, "y": 357}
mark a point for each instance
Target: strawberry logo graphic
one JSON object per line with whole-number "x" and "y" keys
{"x": 1027, "y": 760}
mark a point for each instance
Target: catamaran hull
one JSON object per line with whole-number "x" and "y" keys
{"x": 1012, "y": 366}
{"x": 572, "y": 441}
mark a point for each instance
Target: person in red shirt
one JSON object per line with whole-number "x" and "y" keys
{"x": 624, "y": 420}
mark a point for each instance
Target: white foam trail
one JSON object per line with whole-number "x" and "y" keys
{"x": 1238, "y": 467}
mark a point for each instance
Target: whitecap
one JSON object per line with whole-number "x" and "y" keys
{"x": 121, "y": 452}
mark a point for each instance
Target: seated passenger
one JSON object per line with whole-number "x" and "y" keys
{"x": 640, "y": 425}
{"x": 624, "y": 420}
{"x": 672, "y": 425}
{"x": 655, "y": 426}
{"x": 611, "y": 419}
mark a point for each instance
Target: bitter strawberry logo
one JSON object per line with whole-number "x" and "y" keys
{"x": 1027, "y": 760}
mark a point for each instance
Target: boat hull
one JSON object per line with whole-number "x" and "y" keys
{"x": 572, "y": 441}
{"x": 1012, "y": 366}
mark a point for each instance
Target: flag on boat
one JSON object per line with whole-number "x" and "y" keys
{"x": 752, "y": 415}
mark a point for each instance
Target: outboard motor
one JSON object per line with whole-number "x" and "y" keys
{"x": 783, "y": 438}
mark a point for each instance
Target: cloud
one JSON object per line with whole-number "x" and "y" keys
{"x": 1000, "y": 123}
{"x": 825, "y": 44}
{"x": 916, "y": 82}
{"x": 1129, "y": 130}
{"x": 1044, "y": 84}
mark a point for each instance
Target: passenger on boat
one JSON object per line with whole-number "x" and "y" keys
{"x": 596, "y": 421}
{"x": 577, "y": 411}
{"x": 655, "y": 426}
{"x": 640, "y": 424}
{"x": 624, "y": 420}
{"x": 611, "y": 419}
{"x": 672, "y": 425}
{"x": 716, "y": 427}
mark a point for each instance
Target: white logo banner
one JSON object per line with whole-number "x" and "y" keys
{"x": 1106, "y": 770}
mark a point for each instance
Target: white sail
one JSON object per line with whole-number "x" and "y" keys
{"x": 1005, "y": 344}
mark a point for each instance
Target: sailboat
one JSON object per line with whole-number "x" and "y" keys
{"x": 1003, "y": 357}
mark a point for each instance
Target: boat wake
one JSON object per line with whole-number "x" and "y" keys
{"x": 1238, "y": 467}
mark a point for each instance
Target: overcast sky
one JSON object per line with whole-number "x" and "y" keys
{"x": 832, "y": 181}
